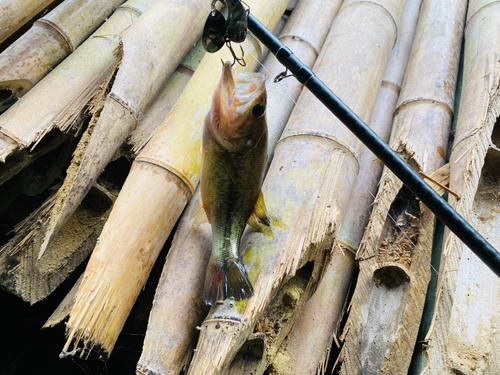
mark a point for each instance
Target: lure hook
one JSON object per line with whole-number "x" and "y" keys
{"x": 236, "y": 59}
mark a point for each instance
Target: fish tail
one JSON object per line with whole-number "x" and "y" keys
{"x": 226, "y": 279}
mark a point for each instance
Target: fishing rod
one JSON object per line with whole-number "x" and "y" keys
{"x": 440, "y": 207}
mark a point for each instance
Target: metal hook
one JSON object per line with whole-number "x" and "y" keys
{"x": 280, "y": 77}
{"x": 239, "y": 60}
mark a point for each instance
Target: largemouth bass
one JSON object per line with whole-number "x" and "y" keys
{"x": 234, "y": 160}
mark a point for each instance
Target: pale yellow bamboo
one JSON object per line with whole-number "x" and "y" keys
{"x": 320, "y": 319}
{"x": 394, "y": 262}
{"x": 15, "y": 13}
{"x": 50, "y": 40}
{"x": 152, "y": 49}
{"x": 306, "y": 189}
{"x": 184, "y": 272}
{"x": 58, "y": 100}
{"x": 463, "y": 337}
{"x": 159, "y": 185}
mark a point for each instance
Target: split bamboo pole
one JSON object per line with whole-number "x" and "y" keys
{"x": 394, "y": 256}
{"x": 15, "y": 13}
{"x": 464, "y": 336}
{"x": 48, "y": 42}
{"x": 190, "y": 250}
{"x": 306, "y": 189}
{"x": 153, "y": 47}
{"x": 161, "y": 182}
{"x": 151, "y": 121}
{"x": 22, "y": 274}
{"x": 58, "y": 100}
{"x": 320, "y": 319}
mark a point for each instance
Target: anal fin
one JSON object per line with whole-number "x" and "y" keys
{"x": 260, "y": 210}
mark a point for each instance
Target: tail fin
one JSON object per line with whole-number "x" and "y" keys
{"x": 226, "y": 279}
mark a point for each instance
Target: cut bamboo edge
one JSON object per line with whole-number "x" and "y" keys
{"x": 192, "y": 245}
{"x": 318, "y": 327}
{"x": 114, "y": 279}
{"x": 463, "y": 337}
{"x": 138, "y": 80}
{"x": 306, "y": 189}
{"x": 31, "y": 118}
{"x": 49, "y": 41}
{"x": 394, "y": 271}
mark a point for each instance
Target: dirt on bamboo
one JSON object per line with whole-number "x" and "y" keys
{"x": 317, "y": 329}
{"x": 461, "y": 338}
{"x": 48, "y": 42}
{"x": 144, "y": 214}
{"x": 192, "y": 244}
{"x": 387, "y": 304}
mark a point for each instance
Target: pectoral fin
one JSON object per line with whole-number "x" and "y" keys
{"x": 198, "y": 214}
{"x": 261, "y": 211}
{"x": 229, "y": 166}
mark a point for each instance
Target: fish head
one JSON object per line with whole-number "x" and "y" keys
{"x": 238, "y": 115}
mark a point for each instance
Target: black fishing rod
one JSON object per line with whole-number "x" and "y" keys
{"x": 457, "y": 224}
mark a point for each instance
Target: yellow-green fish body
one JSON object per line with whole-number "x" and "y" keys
{"x": 234, "y": 160}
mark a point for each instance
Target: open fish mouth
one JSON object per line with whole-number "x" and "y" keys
{"x": 241, "y": 88}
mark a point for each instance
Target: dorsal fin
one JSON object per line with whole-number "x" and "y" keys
{"x": 198, "y": 214}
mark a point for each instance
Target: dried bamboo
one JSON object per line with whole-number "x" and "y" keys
{"x": 15, "y": 13}
{"x": 21, "y": 273}
{"x": 168, "y": 28}
{"x": 319, "y": 321}
{"x": 464, "y": 337}
{"x": 49, "y": 41}
{"x": 192, "y": 245}
{"x": 394, "y": 269}
{"x": 306, "y": 189}
{"x": 159, "y": 185}
{"x": 58, "y": 99}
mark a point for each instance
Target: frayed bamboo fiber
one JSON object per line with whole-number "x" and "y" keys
{"x": 394, "y": 258}
{"x": 15, "y": 13}
{"x": 306, "y": 189}
{"x": 58, "y": 100}
{"x": 156, "y": 191}
{"x": 48, "y": 42}
{"x": 464, "y": 336}
{"x": 319, "y": 321}
{"x": 168, "y": 354}
{"x": 153, "y": 47}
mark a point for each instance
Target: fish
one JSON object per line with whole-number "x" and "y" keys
{"x": 234, "y": 159}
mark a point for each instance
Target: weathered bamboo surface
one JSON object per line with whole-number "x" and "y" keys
{"x": 159, "y": 185}
{"x": 21, "y": 273}
{"x": 394, "y": 256}
{"x": 48, "y": 42}
{"x": 319, "y": 321}
{"x": 464, "y": 334}
{"x": 192, "y": 244}
{"x": 153, "y": 47}
{"x": 306, "y": 189}
{"x": 15, "y": 13}
{"x": 58, "y": 100}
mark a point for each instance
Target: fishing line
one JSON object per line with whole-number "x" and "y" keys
{"x": 356, "y": 175}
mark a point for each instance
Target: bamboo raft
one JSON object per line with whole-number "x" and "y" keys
{"x": 101, "y": 111}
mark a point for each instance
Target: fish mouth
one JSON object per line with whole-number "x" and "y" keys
{"x": 241, "y": 88}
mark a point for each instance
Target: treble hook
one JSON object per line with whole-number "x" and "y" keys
{"x": 239, "y": 60}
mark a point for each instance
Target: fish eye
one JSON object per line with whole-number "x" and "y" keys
{"x": 258, "y": 110}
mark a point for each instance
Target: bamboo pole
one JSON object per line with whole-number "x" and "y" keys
{"x": 169, "y": 28}
{"x": 57, "y": 101}
{"x": 49, "y": 41}
{"x": 170, "y": 167}
{"x": 320, "y": 319}
{"x": 306, "y": 189}
{"x": 191, "y": 247}
{"x": 23, "y": 275}
{"x": 394, "y": 269}
{"x": 463, "y": 337}
{"x": 15, "y": 13}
